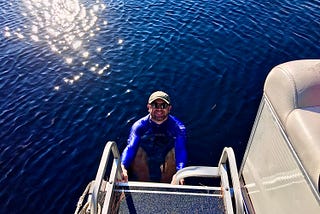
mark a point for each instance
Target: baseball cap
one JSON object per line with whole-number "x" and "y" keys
{"x": 159, "y": 95}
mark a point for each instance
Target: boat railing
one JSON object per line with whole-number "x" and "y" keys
{"x": 228, "y": 156}
{"x": 227, "y": 160}
{"x": 115, "y": 174}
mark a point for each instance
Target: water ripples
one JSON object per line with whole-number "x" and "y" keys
{"x": 74, "y": 75}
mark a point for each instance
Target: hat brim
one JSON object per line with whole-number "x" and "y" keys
{"x": 159, "y": 98}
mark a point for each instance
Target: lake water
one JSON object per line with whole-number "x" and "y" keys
{"x": 75, "y": 74}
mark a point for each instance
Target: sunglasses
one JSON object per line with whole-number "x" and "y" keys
{"x": 159, "y": 105}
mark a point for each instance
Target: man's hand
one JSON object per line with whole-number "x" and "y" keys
{"x": 124, "y": 174}
{"x": 181, "y": 181}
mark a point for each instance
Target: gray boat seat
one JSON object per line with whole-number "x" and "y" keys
{"x": 293, "y": 88}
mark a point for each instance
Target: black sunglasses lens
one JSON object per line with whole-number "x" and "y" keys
{"x": 159, "y": 105}
{"x": 164, "y": 105}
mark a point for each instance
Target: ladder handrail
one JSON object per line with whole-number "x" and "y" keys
{"x": 220, "y": 171}
{"x": 228, "y": 155}
{"x": 195, "y": 171}
{"x": 110, "y": 146}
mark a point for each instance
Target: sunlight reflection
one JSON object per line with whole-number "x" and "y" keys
{"x": 34, "y": 29}
{"x": 69, "y": 60}
{"x": 85, "y": 54}
{"x": 67, "y": 27}
{"x": 70, "y": 80}
{"x": 35, "y": 38}
{"x": 7, "y": 34}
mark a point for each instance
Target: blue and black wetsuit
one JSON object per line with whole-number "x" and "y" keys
{"x": 156, "y": 140}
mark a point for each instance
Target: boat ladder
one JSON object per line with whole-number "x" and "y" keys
{"x": 107, "y": 195}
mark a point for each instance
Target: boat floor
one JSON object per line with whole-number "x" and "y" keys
{"x": 141, "y": 197}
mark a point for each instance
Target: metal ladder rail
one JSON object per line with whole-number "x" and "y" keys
{"x": 228, "y": 155}
{"x": 220, "y": 171}
{"x": 114, "y": 174}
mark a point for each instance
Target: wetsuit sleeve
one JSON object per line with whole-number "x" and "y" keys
{"x": 180, "y": 147}
{"x": 130, "y": 151}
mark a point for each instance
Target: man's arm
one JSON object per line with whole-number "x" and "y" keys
{"x": 130, "y": 151}
{"x": 180, "y": 147}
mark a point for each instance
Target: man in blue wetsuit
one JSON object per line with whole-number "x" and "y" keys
{"x": 156, "y": 146}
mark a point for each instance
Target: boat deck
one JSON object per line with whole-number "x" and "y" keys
{"x": 141, "y": 197}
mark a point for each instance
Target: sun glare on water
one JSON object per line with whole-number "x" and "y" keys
{"x": 67, "y": 27}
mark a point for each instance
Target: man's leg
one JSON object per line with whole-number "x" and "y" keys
{"x": 168, "y": 169}
{"x": 139, "y": 165}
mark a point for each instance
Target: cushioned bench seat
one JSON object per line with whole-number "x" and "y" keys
{"x": 303, "y": 129}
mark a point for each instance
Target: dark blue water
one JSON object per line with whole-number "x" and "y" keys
{"x": 75, "y": 74}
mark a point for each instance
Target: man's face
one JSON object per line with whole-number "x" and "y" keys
{"x": 159, "y": 111}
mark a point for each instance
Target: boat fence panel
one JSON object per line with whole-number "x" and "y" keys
{"x": 273, "y": 176}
